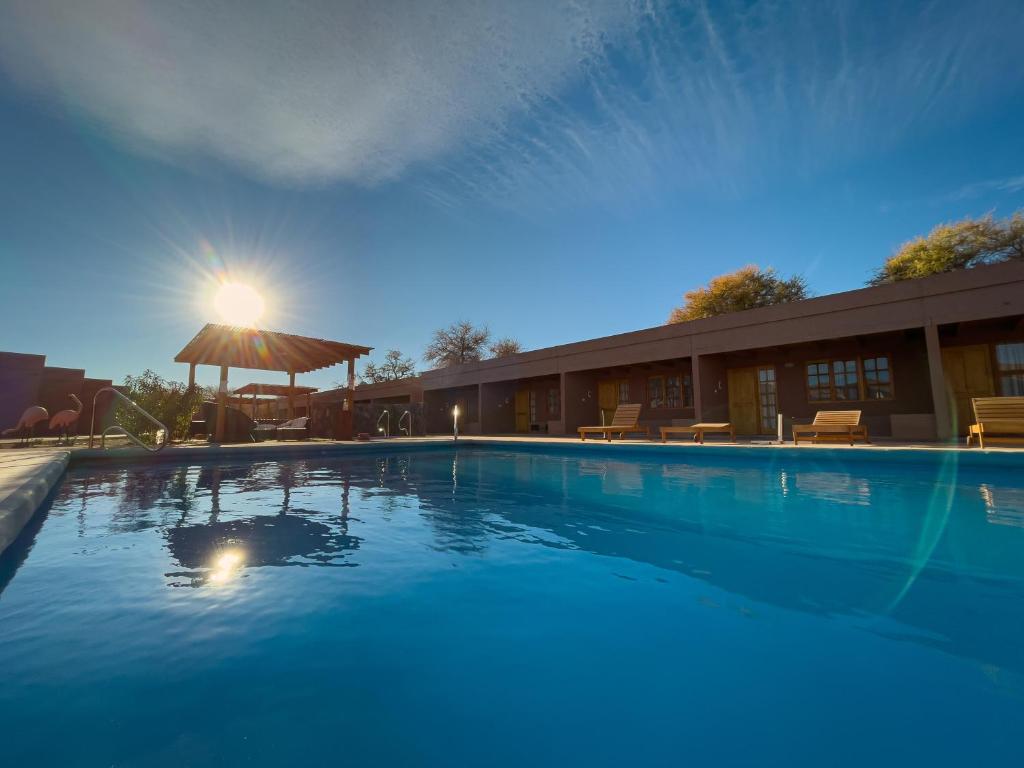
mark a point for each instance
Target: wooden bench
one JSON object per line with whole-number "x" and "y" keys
{"x": 997, "y": 419}
{"x": 625, "y": 420}
{"x": 698, "y": 431}
{"x": 832, "y": 426}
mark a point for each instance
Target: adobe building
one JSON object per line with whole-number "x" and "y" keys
{"x": 909, "y": 355}
{"x": 26, "y": 380}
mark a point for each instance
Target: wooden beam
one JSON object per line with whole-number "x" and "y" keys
{"x": 222, "y": 401}
{"x": 937, "y": 378}
{"x": 191, "y": 376}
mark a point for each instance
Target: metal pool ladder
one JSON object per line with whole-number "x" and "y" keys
{"x": 408, "y": 429}
{"x": 163, "y": 434}
{"x": 386, "y": 429}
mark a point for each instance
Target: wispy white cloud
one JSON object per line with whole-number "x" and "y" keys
{"x": 541, "y": 101}
{"x": 302, "y": 91}
{"x": 1009, "y": 184}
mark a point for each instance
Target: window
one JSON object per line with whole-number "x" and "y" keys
{"x": 868, "y": 378}
{"x": 767, "y": 398}
{"x": 844, "y": 380}
{"x": 877, "y": 378}
{"x": 533, "y": 406}
{"x": 624, "y": 391}
{"x": 656, "y": 392}
{"x": 1010, "y": 368}
{"x": 671, "y": 391}
{"x": 819, "y": 386}
{"x": 554, "y": 403}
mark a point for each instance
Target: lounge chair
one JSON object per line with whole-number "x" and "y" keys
{"x": 699, "y": 430}
{"x": 997, "y": 418}
{"x": 624, "y": 421}
{"x": 296, "y": 429}
{"x": 832, "y": 426}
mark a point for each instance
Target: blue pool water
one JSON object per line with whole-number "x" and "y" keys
{"x": 501, "y": 608}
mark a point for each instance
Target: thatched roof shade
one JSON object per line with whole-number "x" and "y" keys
{"x": 238, "y": 347}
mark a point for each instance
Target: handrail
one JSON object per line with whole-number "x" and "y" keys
{"x": 387, "y": 428}
{"x": 118, "y": 429}
{"x": 408, "y": 430}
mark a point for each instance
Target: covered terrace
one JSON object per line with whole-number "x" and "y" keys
{"x": 250, "y": 394}
{"x": 229, "y": 346}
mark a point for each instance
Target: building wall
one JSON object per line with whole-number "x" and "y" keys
{"x": 20, "y": 375}
{"x": 438, "y": 405}
{"x": 55, "y": 386}
{"x": 909, "y": 365}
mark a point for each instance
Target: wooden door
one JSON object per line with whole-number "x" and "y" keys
{"x": 608, "y": 398}
{"x": 743, "y": 403}
{"x": 523, "y": 410}
{"x": 968, "y": 373}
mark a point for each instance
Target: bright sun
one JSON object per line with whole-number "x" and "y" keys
{"x": 238, "y": 304}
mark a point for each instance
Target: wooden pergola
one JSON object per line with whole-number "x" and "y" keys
{"x": 229, "y": 346}
{"x": 254, "y": 391}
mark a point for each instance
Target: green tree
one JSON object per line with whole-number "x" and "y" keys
{"x": 460, "y": 342}
{"x": 960, "y": 245}
{"x": 505, "y": 347}
{"x": 746, "y": 288}
{"x": 394, "y": 367}
{"x": 170, "y": 402}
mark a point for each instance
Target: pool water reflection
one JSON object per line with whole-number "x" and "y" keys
{"x": 508, "y": 608}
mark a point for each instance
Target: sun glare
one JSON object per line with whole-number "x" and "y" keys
{"x": 238, "y": 304}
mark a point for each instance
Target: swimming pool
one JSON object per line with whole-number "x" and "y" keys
{"x": 490, "y": 606}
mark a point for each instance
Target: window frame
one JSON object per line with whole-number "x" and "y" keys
{"x": 830, "y": 362}
{"x": 1000, "y": 373}
{"x": 685, "y": 388}
{"x": 556, "y": 414}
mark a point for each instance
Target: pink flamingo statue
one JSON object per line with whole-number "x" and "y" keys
{"x": 27, "y": 423}
{"x": 66, "y": 420}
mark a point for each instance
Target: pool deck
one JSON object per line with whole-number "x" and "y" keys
{"x": 27, "y": 475}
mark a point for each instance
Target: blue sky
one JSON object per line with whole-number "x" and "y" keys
{"x": 554, "y": 172}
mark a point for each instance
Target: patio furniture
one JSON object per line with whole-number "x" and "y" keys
{"x": 296, "y": 429}
{"x": 624, "y": 421}
{"x": 835, "y": 426}
{"x": 698, "y": 430}
{"x": 264, "y": 431}
{"x": 238, "y": 427}
{"x": 997, "y": 418}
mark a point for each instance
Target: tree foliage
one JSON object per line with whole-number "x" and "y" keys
{"x": 746, "y": 288}
{"x": 170, "y": 402}
{"x": 460, "y": 342}
{"x": 960, "y": 245}
{"x": 505, "y": 347}
{"x": 394, "y": 367}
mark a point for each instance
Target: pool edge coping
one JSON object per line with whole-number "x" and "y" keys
{"x": 25, "y": 482}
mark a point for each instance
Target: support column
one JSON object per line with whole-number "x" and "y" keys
{"x": 695, "y": 382}
{"x": 291, "y": 395}
{"x": 222, "y": 401}
{"x": 191, "y": 376}
{"x": 480, "y": 407}
{"x": 937, "y": 377}
{"x": 346, "y": 419}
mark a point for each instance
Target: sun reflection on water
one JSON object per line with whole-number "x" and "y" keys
{"x": 226, "y": 566}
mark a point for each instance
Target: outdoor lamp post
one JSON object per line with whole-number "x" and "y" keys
{"x": 455, "y": 422}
